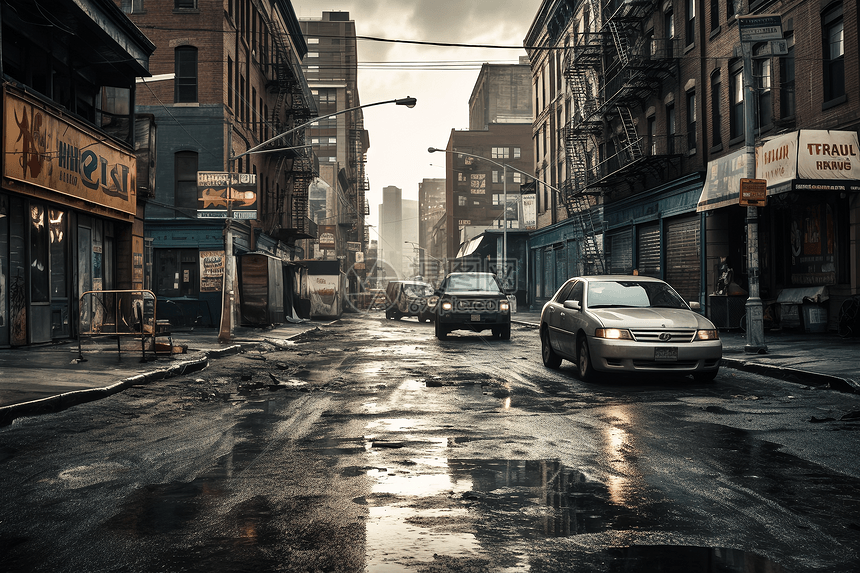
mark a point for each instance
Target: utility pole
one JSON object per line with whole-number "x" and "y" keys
{"x": 759, "y": 28}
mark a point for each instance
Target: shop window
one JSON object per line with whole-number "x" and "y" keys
{"x": 185, "y": 82}
{"x": 58, "y": 239}
{"x": 176, "y": 273}
{"x": 39, "y": 267}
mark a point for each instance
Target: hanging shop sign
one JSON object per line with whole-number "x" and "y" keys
{"x": 327, "y": 237}
{"x": 810, "y": 160}
{"x": 53, "y": 152}
{"x": 753, "y": 193}
{"x": 222, "y": 194}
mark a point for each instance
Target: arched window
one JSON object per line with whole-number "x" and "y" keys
{"x": 185, "y": 83}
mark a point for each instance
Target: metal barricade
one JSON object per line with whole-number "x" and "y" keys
{"x": 121, "y": 313}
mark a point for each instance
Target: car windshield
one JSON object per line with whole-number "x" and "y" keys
{"x": 418, "y": 290}
{"x": 473, "y": 283}
{"x": 636, "y": 294}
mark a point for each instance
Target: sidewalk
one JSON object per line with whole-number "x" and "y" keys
{"x": 817, "y": 359}
{"x": 49, "y": 378}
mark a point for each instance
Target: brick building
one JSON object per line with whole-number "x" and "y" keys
{"x": 226, "y": 78}
{"x": 640, "y": 126}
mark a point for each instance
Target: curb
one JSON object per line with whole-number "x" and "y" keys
{"x": 794, "y": 375}
{"x": 66, "y": 400}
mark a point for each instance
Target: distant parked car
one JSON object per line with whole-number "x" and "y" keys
{"x": 627, "y": 324}
{"x": 472, "y": 301}
{"x": 410, "y": 298}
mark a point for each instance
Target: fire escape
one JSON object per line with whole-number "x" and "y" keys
{"x": 610, "y": 72}
{"x": 293, "y": 101}
{"x": 359, "y": 185}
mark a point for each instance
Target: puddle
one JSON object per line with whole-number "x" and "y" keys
{"x": 686, "y": 559}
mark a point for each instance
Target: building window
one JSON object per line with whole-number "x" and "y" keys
{"x": 730, "y": 9}
{"x": 496, "y": 177}
{"x": 715, "y": 14}
{"x": 764, "y": 93}
{"x": 498, "y": 199}
{"x": 786, "y": 77}
{"x": 185, "y": 83}
{"x": 132, "y": 6}
{"x": 691, "y": 122}
{"x": 652, "y": 134}
{"x": 501, "y": 153}
{"x": 518, "y": 178}
{"x": 736, "y": 102}
{"x": 517, "y": 152}
{"x": 716, "y": 109}
{"x": 670, "y": 128}
{"x": 185, "y": 181}
{"x": 184, "y": 4}
{"x": 690, "y": 32}
{"x": 462, "y": 200}
{"x": 669, "y": 24}
{"x": 229, "y": 82}
{"x": 834, "y": 53}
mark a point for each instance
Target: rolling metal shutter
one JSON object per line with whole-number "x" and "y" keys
{"x": 621, "y": 252}
{"x": 648, "y": 245}
{"x": 683, "y": 256}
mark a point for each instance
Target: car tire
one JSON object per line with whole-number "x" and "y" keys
{"x": 441, "y": 331}
{"x": 705, "y": 377}
{"x": 388, "y": 313}
{"x": 414, "y": 309}
{"x": 505, "y": 332}
{"x": 550, "y": 358}
{"x": 583, "y": 361}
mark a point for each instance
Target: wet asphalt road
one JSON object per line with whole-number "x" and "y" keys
{"x": 369, "y": 445}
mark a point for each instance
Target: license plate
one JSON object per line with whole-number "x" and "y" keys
{"x": 476, "y": 318}
{"x": 667, "y": 354}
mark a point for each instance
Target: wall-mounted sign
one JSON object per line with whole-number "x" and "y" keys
{"x": 211, "y": 271}
{"x": 220, "y": 194}
{"x": 53, "y": 152}
{"x": 753, "y": 192}
{"x": 327, "y": 237}
{"x": 760, "y": 27}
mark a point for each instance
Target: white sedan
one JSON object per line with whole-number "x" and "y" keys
{"x": 616, "y": 323}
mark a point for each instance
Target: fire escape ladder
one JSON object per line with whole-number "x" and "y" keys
{"x": 632, "y": 144}
{"x": 620, "y": 42}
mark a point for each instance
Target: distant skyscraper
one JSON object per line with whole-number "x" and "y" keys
{"x": 391, "y": 231}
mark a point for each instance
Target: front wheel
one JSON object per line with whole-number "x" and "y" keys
{"x": 547, "y": 354}
{"x": 505, "y": 332}
{"x": 441, "y": 331}
{"x": 583, "y": 361}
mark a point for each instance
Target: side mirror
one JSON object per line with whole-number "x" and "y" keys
{"x": 573, "y": 304}
{"x": 695, "y": 305}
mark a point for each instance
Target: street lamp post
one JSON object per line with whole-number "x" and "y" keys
{"x": 226, "y": 332}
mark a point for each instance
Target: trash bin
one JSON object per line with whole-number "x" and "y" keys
{"x": 814, "y": 317}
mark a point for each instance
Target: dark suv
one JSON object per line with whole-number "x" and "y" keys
{"x": 472, "y": 301}
{"x": 409, "y": 298}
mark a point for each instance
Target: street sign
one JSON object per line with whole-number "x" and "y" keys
{"x": 220, "y": 193}
{"x": 760, "y": 28}
{"x": 753, "y": 193}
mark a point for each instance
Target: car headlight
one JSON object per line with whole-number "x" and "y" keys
{"x": 613, "y": 333}
{"x": 446, "y": 305}
{"x": 708, "y": 334}
{"x": 504, "y": 306}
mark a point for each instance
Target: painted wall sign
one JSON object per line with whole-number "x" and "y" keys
{"x": 49, "y": 151}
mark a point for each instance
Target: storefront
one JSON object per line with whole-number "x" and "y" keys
{"x": 805, "y": 229}
{"x": 67, "y": 208}
{"x": 659, "y": 234}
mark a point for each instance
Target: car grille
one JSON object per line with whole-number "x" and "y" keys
{"x": 477, "y": 306}
{"x": 669, "y": 336}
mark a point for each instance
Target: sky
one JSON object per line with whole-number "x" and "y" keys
{"x": 440, "y": 78}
